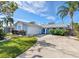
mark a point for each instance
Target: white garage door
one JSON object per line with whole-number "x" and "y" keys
{"x": 33, "y": 30}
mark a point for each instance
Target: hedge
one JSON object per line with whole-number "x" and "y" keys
{"x": 61, "y": 32}
{"x": 19, "y": 32}
{"x": 2, "y": 34}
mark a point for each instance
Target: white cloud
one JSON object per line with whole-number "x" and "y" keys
{"x": 36, "y": 7}
{"x": 50, "y": 17}
{"x": 17, "y": 19}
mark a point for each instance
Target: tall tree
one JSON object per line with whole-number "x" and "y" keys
{"x": 10, "y": 21}
{"x": 8, "y": 9}
{"x": 1, "y": 3}
{"x": 62, "y": 14}
{"x": 69, "y": 8}
{"x": 1, "y": 24}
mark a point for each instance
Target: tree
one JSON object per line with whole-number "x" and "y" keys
{"x": 11, "y": 21}
{"x": 1, "y": 3}
{"x": 2, "y": 34}
{"x": 62, "y": 14}
{"x": 5, "y": 22}
{"x": 8, "y": 9}
{"x": 69, "y": 8}
{"x": 8, "y": 21}
{"x": 1, "y": 24}
{"x": 76, "y": 28}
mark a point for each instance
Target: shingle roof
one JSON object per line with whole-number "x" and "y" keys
{"x": 25, "y": 23}
{"x": 53, "y": 25}
{"x": 44, "y": 26}
{"x": 21, "y": 22}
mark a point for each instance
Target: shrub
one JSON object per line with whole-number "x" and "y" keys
{"x": 2, "y": 34}
{"x": 22, "y": 32}
{"x": 61, "y": 32}
{"x": 67, "y": 32}
{"x": 19, "y": 32}
{"x": 76, "y": 28}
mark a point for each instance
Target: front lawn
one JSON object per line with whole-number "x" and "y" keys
{"x": 16, "y": 46}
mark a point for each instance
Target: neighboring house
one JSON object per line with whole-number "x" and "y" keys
{"x": 35, "y": 29}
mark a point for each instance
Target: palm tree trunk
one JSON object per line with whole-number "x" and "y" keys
{"x": 72, "y": 23}
{"x": 7, "y": 21}
{"x": 63, "y": 24}
{"x": 72, "y": 28}
{"x": 10, "y": 28}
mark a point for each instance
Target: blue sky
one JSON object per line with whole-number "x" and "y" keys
{"x": 42, "y": 12}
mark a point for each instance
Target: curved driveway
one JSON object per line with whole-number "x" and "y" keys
{"x": 50, "y": 46}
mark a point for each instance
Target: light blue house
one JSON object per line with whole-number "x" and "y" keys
{"x": 31, "y": 29}
{"x": 35, "y": 29}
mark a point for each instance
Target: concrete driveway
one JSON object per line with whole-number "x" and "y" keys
{"x": 50, "y": 46}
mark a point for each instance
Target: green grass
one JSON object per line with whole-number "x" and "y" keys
{"x": 16, "y": 46}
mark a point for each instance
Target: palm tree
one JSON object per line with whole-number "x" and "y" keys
{"x": 62, "y": 14}
{"x": 69, "y": 8}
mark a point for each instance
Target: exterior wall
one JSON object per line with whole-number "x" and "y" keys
{"x": 34, "y": 30}
{"x": 24, "y": 27}
{"x": 21, "y": 27}
{"x": 18, "y": 26}
{"x": 30, "y": 30}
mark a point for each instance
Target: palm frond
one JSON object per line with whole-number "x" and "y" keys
{"x": 60, "y": 11}
{"x": 62, "y": 7}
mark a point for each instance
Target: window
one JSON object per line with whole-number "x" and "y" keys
{"x": 18, "y": 27}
